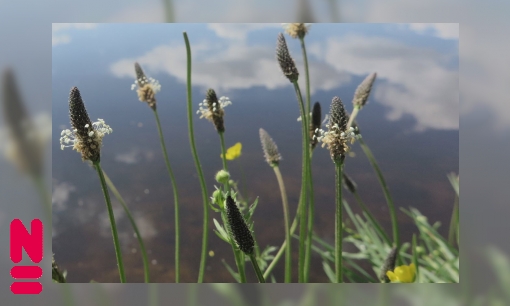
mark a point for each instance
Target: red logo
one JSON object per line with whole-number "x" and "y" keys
{"x": 33, "y": 244}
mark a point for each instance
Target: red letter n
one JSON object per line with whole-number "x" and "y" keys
{"x": 21, "y": 238}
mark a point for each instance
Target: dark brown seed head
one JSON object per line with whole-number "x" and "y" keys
{"x": 88, "y": 144}
{"x": 337, "y": 124}
{"x": 215, "y": 110}
{"x": 145, "y": 91}
{"x": 363, "y": 91}
{"x": 270, "y": 149}
{"x": 140, "y": 75}
{"x": 238, "y": 227}
{"x": 315, "y": 124}
{"x": 285, "y": 60}
{"x": 389, "y": 265}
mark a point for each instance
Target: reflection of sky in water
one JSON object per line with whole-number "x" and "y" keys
{"x": 411, "y": 124}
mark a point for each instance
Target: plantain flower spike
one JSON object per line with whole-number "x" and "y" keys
{"x": 270, "y": 149}
{"x": 238, "y": 227}
{"x": 389, "y": 265}
{"x": 147, "y": 87}
{"x": 363, "y": 91}
{"x": 315, "y": 125}
{"x": 285, "y": 60}
{"x": 25, "y": 146}
{"x": 86, "y": 136}
{"x": 337, "y": 136}
{"x": 296, "y": 30}
{"x": 212, "y": 109}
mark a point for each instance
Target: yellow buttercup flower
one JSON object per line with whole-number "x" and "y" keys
{"x": 402, "y": 274}
{"x": 233, "y": 152}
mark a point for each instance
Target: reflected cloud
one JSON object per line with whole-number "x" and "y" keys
{"x": 145, "y": 226}
{"x": 60, "y": 35}
{"x": 411, "y": 80}
{"x": 237, "y": 66}
{"x": 239, "y": 31}
{"x": 131, "y": 157}
{"x": 61, "y": 192}
{"x": 441, "y": 30}
{"x": 134, "y": 156}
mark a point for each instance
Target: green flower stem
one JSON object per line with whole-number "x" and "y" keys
{"x": 45, "y": 196}
{"x": 352, "y": 117}
{"x": 153, "y": 295}
{"x": 304, "y": 181}
{"x": 372, "y": 219}
{"x": 278, "y": 255}
{"x": 133, "y": 224}
{"x": 169, "y": 11}
{"x": 224, "y": 158}
{"x": 454, "y": 223}
{"x": 338, "y": 223}
{"x": 192, "y": 294}
{"x": 393, "y": 214}
{"x": 311, "y": 216}
{"x": 257, "y": 269}
{"x": 307, "y": 77}
{"x": 176, "y": 199}
{"x": 311, "y": 204}
{"x": 116, "y": 243}
{"x": 288, "y": 254}
{"x": 389, "y": 200}
{"x": 205, "y": 198}
{"x": 415, "y": 259}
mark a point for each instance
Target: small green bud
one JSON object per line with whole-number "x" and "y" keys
{"x": 222, "y": 177}
{"x": 218, "y": 199}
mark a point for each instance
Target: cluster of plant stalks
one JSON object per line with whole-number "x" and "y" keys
{"x": 428, "y": 258}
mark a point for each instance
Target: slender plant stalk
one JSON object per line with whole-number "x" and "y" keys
{"x": 415, "y": 259}
{"x": 260, "y": 276}
{"x": 278, "y": 255}
{"x": 169, "y": 11}
{"x": 176, "y": 198}
{"x": 237, "y": 254}
{"x": 389, "y": 200}
{"x": 311, "y": 208}
{"x": 45, "y": 196}
{"x": 338, "y": 223}
{"x": 205, "y": 198}
{"x": 192, "y": 295}
{"x": 133, "y": 224}
{"x": 304, "y": 181}
{"x": 153, "y": 295}
{"x": 224, "y": 158}
{"x": 116, "y": 243}
{"x": 67, "y": 294}
{"x": 352, "y": 116}
{"x": 307, "y": 77}
{"x": 288, "y": 254}
{"x": 311, "y": 216}
{"x": 454, "y": 222}
{"x": 374, "y": 221}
